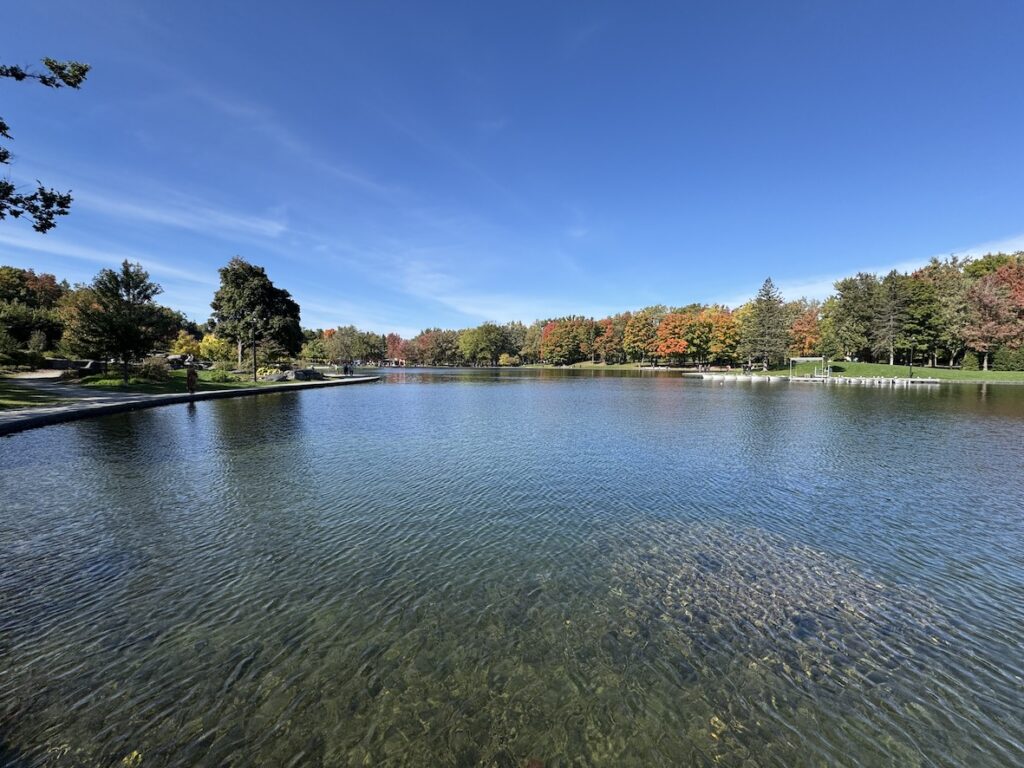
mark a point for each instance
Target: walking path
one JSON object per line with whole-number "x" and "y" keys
{"x": 85, "y": 402}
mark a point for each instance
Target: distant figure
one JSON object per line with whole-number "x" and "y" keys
{"x": 191, "y": 379}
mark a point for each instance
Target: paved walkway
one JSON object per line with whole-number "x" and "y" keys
{"x": 86, "y": 402}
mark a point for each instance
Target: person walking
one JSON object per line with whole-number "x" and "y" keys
{"x": 191, "y": 379}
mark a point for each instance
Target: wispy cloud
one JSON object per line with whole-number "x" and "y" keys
{"x": 156, "y": 204}
{"x": 1006, "y": 245}
{"x": 459, "y": 159}
{"x": 426, "y": 281}
{"x": 266, "y": 123}
{"x": 191, "y": 215}
{"x": 822, "y": 286}
{"x": 53, "y": 246}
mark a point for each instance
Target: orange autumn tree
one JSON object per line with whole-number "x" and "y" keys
{"x": 805, "y": 332}
{"x": 671, "y": 336}
{"x": 725, "y": 334}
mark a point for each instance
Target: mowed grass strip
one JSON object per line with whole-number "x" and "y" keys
{"x": 208, "y": 381}
{"x": 14, "y": 395}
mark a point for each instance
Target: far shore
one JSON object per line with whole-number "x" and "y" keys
{"x": 839, "y": 368}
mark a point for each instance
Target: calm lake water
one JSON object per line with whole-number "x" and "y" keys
{"x": 520, "y": 569}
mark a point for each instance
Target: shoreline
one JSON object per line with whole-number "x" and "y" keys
{"x": 20, "y": 420}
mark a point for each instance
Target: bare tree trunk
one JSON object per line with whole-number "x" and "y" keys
{"x": 239, "y": 353}
{"x": 984, "y": 361}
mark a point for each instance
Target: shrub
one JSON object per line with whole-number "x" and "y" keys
{"x": 1006, "y": 359}
{"x": 9, "y": 354}
{"x": 37, "y": 342}
{"x": 220, "y": 376}
{"x": 154, "y": 369}
{"x": 970, "y": 362}
{"x": 506, "y": 359}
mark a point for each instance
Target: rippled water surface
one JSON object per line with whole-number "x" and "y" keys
{"x": 520, "y": 569}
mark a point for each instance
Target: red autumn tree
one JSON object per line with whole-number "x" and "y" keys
{"x": 992, "y": 317}
{"x": 805, "y": 332}
{"x": 394, "y": 346}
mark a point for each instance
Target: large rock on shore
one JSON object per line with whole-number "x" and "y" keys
{"x": 304, "y": 374}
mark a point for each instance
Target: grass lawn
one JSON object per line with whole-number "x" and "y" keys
{"x": 174, "y": 385}
{"x": 867, "y": 370}
{"x": 14, "y": 396}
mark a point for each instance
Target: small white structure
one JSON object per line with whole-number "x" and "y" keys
{"x": 826, "y": 372}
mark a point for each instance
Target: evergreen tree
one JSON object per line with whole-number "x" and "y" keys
{"x": 765, "y": 332}
{"x": 891, "y": 316}
{"x": 115, "y": 316}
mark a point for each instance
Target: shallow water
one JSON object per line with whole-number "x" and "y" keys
{"x": 524, "y": 568}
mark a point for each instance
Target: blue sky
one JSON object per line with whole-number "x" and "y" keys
{"x": 403, "y": 165}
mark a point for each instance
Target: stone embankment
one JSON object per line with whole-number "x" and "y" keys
{"x": 86, "y": 403}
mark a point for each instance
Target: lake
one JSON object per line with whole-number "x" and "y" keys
{"x": 520, "y": 568}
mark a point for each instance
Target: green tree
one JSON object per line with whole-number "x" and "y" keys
{"x": 249, "y": 308}
{"x": 949, "y": 314}
{"x": 852, "y": 317}
{"x": 484, "y": 344}
{"x": 341, "y": 345}
{"x": 765, "y": 331}
{"x": 889, "y": 330}
{"x": 43, "y": 205}
{"x": 530, "y": 350}
{"x": 313, "y": 349}
{"x": 975, "y": 269}
{"x": 115, "y": 316}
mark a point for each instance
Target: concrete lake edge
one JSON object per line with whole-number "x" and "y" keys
{"x": 61, "y": 414}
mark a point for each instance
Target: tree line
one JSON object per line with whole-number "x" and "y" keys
{"x": 116, "y": 317}
{"x": 950, "y": 312}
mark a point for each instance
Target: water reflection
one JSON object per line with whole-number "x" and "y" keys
{"x": 502, "y": 568}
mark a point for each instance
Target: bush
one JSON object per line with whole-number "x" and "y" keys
{"x": 37, "y": 342}
{"x": 506, "y": 359}
{"x": 154, "y": 369}
{"x": 1006, "y": 359}
{"x": 264, "y": 370}
{"x": 220, "y": 377}
{"x": 970, "y": 362}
